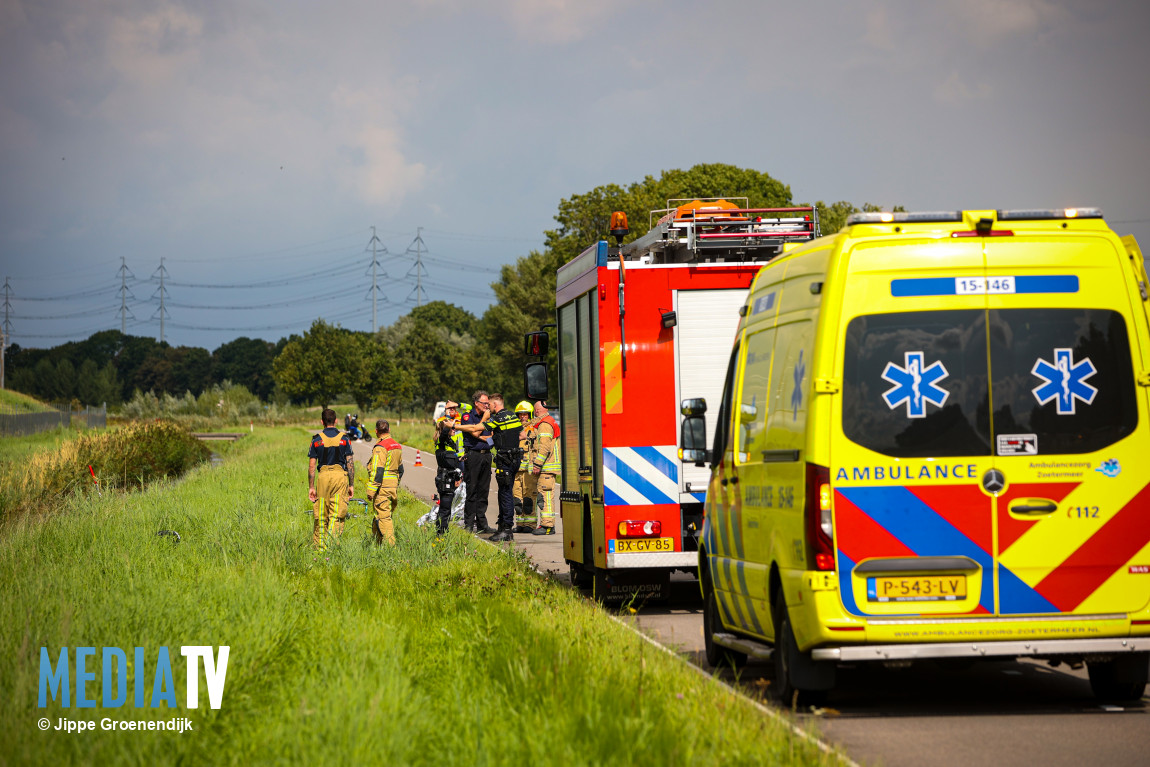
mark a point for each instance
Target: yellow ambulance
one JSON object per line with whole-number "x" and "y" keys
{"x": 934, "y": 442}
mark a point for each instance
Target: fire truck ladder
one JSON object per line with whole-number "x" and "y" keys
{"x": 717, "y": 233}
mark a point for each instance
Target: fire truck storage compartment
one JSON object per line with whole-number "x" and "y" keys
{"x": 707, "y": 321}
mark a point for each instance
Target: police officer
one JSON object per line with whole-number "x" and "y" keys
{"x": 383, "y": 474}
{"x": 505, "y": 429}
{"x": 544, "y": 468}
{"x": 448, "y": 455}
{"x": 524, "y": 499}
{"x": 477, "y": 463}
{"x": 330, "y": 457}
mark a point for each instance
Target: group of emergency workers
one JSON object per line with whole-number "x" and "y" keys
{"x": 331, "y": 480}
{"x": 523, "y": 447}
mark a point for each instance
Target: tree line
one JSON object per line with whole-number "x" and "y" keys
{"x": 434, "y": 352}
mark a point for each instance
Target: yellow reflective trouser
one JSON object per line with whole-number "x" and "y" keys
{"x": 330, "y": 501}
{"x": 544, "y": 500}
{"x": 385, "y": 501}
{"x": 524, "y": 508}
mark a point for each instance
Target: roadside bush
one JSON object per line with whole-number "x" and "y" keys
{"x": 126, "y": 458}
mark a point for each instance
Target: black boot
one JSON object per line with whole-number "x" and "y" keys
{"x": 502, "y": 535}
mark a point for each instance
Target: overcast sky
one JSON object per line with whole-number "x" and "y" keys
{"x": 246, "y": 142}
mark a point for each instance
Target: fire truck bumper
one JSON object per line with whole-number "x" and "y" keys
{"x": 671, "y": 559}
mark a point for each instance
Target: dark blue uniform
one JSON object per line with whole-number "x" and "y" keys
{"x": 477, "y": 474}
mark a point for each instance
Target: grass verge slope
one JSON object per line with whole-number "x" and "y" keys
{"x": 428, "y": 653}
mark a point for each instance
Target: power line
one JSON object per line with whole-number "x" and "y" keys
{"x": 272, "y": 305}
{"x": 70, "y": 296}
{"x": 279, "y": 282}
{"x": 70, "y": 315}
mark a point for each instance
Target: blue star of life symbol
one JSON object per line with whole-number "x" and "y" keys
{"x": 797, "y": 394}
{"x": 915, "y": 385}
{"x": 1064, "y": 380}
{"x": 1110, "y": 467}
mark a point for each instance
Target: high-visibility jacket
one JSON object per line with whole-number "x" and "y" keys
{"x": 448, "y": 449}
{"x": 505, "y": 429}
{"x": 546, "y": 452}
{"x": 526, "y": 444}
{"x": 386, "y": 461}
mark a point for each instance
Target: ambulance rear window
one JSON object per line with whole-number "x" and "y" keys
{"x": 1063, "y": 378}
{"x": 915, "y": 384}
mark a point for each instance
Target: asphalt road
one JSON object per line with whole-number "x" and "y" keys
{"x": 989, "y": 713}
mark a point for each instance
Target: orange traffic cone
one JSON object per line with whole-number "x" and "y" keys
{"x": 418, "y": 460}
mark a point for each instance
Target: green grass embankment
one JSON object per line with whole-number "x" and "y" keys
{"x": 428, "y": 653}
{"x": 14, "y": 401}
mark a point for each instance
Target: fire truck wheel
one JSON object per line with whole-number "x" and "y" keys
{"x": 580, "y": 578}
{"x": 717, "y": 655}
{"x": 1120, "y": 679}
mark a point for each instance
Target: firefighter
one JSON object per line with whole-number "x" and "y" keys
{"x": 477, "y": 463}
{"x": 448, "y": 459}
{"x": 505, "y": 429}
{"x": 524, "y": 512}
{"x": 545, "y": 466}
{"x": 331, "y": 459}
{"x": 384, "y": 471}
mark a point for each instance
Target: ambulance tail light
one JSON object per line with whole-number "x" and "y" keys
{"x": 817, "y": 513}
{"x": 641, "y": 528}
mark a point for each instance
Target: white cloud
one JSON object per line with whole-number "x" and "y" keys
{"x": 955, "y": 91}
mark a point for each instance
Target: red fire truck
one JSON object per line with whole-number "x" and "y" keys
{"x": 638, "y": 326}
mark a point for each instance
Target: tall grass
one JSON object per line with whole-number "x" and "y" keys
{"x": 127, "y": 458}
{"x": 432, "y": 652}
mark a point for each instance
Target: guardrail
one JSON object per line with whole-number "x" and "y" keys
{"x": 13, "y": 422}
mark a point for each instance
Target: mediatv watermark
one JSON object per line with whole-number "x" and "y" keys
{"x": 75, "y": 672}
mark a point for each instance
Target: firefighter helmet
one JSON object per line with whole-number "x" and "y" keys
{"x": 524, "y": 407}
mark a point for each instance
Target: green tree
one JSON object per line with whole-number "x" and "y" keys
{"x": 246, "y": 361}
{"x": 319, "y": 366}
{"x": 444, "y": 315}
{"x": 88, "y": 383}
{"x": 833, "y": 217}
{"x": 374, "y": 379}
{"x": 526, "y": 291}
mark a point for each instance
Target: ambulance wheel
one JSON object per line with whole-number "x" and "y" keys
{"x": 799, "y": 681}
{"x": 717, "y": 655}
{"x": 1120, "y": 679}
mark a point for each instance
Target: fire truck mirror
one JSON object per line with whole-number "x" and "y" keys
{"x": 693, "y": 439}
{"x": 536, "y": 344}
{"x": 696, "y": 406}
{"x": 535, "y": 380}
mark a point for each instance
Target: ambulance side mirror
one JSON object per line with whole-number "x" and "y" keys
{"x": 535, "y": 379}
{"x": 693, "y": 432}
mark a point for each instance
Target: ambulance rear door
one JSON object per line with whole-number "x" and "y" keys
{"x": 1071, "y": 440}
